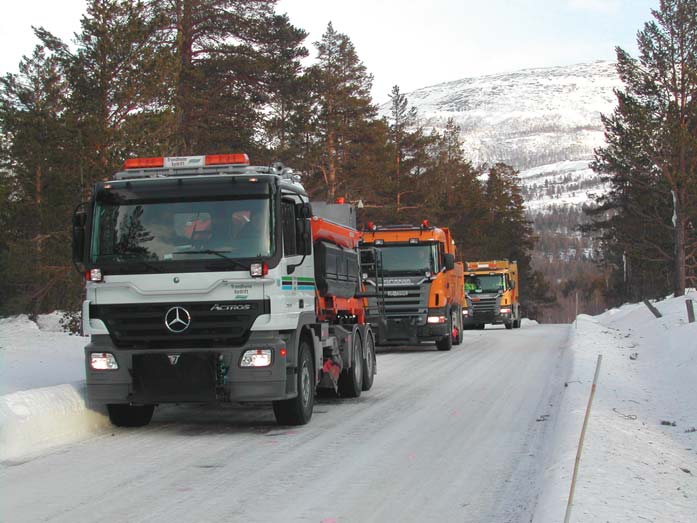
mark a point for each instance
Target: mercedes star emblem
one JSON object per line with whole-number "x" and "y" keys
{"x": 177, "y": 319}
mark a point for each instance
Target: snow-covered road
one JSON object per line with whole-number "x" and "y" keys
{"x": 452, "y": 436}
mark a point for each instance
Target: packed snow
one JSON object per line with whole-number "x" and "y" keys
{"x": 639, "y": 460}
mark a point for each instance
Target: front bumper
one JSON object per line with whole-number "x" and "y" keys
{"x": 484, "y": 318}
{"x": 179, "y": 375}
{"x": 410, "y": 330}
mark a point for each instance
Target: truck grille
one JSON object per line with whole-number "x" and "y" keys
{"x": 212, "y": 324}
{"x": 402, "y": 299}
{"x": 485, "y": 306}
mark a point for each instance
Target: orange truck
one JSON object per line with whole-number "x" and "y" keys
{"x": 492, "y": 294}
{"x": 415, "y": 287}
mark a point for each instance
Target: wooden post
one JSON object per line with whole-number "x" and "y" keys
{"x": 580, "y": 442}
{"x": 690, "y": 311}
{"x": 653, "y": 309}
{"x": 576, "y": 320}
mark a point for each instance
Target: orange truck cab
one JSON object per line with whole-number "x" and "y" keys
{"x": 491, "y": 292}
{"x": 415, "y": 288}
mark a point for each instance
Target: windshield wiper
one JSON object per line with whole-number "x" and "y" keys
{"x": 220, "y": 255}
{"x": 150, "y": 266}
{"x": 125, "y": 260}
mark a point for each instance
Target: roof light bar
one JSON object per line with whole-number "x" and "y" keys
{"x": 186, "y": 161}
{"x": 144, "y": 163}
{"x": 227, "y": 159}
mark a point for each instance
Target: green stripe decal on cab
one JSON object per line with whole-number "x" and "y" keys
{"x": 300, "y": 283}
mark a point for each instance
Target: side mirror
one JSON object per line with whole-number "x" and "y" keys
{"x": 303, "y": 235}
{"x": 303, "y": 211}
{"x": 79, "y": 222}
{"x": 449, "y": 261}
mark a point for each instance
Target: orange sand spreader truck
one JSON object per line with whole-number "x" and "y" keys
{"x": 491, "y": 290}
{"x": 418, "y": 288}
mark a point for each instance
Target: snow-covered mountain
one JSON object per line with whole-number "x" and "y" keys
{"x": 544, "y": 122}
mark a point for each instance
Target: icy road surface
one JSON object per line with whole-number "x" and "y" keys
{"x": 442, "y": 436}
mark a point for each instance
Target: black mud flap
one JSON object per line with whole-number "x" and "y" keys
{"x": 172, "y": 378}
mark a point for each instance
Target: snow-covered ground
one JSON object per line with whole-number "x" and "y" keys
{"x": 639, "y": 460}
{"x": 42, "y": 388}
{"x": 42, "y": 355}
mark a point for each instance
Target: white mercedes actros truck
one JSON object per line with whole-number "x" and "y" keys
{"x": 210, "y": 280}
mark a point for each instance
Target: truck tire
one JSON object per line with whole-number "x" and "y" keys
{"x": 445, "y": 343}
{"x": 457, "y": 323}
{"x": 369, "y": 362}
{"x": 298, "y": 410}
{"x": 125, "y": 415}
{"x": 509, "y": 324}
{"x": 351, "y": 379}
{"x": 480, "y": 326}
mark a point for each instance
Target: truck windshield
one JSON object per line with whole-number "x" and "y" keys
{"x": 409, "y": 259}
{"x": 485, "y": 283}
{"x": 182, "y": 231}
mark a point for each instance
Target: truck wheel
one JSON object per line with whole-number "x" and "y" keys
{"x": 457, "y": 328}
{"x": 125, "y": 415}
{"x": 369, "y": 363}
{"x": 445, "y": 343}
{"x": 509, "y": 325}
{"x": 351, "y": 379}
{"x": 480, "y": 326}
{"x": 298, "y": 410}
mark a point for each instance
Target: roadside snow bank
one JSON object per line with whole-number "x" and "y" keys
{"x": 640, "y": 454}
{"x": 42, "y": 400}
{"x": 37, "y": 419}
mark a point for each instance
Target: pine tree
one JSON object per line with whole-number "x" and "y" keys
{"x": 287, "y": 90}
{"x": 404, "y": 140}
{"x": 220, "y": 54}
{"x": 510, "y": 235}
{"x": 344, "y": 108}
{"x": 39, "y": 185}
{"x": 114, "y": 77}
{"x": 652, "y": 140}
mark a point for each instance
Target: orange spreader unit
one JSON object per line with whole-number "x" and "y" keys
{"x": 329, "y": 308}
{"x": 341, "y": 235}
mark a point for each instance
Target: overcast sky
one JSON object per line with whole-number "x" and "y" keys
{"x": 411, "y": 43}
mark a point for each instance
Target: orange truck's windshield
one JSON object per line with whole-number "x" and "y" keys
{"x": 485, "y": 283}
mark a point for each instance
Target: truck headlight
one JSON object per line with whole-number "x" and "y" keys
{"x": 465, "y": 312}
{"x": 103, "y": 361}
{"x": 256, "y": 358}
{"x": 505, "y": 310}
{"x": 436, "y": 319}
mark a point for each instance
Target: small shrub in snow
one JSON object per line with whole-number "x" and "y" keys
{"x": 71, "y": 322}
